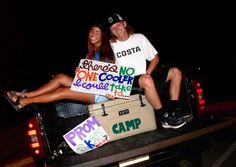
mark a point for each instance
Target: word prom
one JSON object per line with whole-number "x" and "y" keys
{"x": 86, "y": 136}
{"x": 103, "y": 78}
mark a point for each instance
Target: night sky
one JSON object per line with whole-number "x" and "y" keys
{"x": 39, "y": 39}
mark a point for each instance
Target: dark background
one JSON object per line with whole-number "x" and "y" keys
{"x": 41, "y": 38}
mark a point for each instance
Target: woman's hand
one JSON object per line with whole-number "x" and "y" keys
{"x": 110, "y": 97}
{"x": 77, "y": 69}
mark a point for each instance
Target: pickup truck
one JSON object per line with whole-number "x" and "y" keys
{"x": 159, "y": 147}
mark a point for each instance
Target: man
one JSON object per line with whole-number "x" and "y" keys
{"x": 134, "y": 49}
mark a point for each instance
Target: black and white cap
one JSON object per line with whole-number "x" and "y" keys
{"x": 113, "y": 18}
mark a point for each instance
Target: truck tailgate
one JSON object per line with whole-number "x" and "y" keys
{"x": 144, "y": 143}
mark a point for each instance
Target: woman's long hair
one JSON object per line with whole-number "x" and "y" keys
{"x": 106, "y": 52}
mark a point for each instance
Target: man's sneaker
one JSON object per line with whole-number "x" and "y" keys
{"x": 173, "y": 121}
{"x": 179, "y": 113}
{"x": 174, "y": 107}
{"x": 170, "y": 120}
{"x": 159, "y": 116}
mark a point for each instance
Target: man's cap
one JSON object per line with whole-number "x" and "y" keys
{"x": 113, "y": 18}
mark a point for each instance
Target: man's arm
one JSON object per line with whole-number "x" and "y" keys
{"x": 152, "y": 65}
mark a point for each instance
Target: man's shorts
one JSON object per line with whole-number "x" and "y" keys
{"x": 159, "y": 76}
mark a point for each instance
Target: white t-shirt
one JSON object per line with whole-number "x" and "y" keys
{"x": 134, "y": 52}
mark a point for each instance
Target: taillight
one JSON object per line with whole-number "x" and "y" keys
{"x": 34, "y": 138}
{"x": 200, "y": 100}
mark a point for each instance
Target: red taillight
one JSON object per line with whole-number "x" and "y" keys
{"x": 37, "y": 152}
{"x": 30, "y": 125}
{"x": 31, "y": 132}
{"x": 200, "y": 101}
{"x": 35, "y": 145}
{"x": 34, "y": 138}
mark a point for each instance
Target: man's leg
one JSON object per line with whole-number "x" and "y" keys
{"x": 175, "y": 77}
{"x": 146, "y": 82}
{"x": 167, "y": 120}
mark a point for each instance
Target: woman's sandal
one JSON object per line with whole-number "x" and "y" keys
{"x": 15, "y": 104}
{"x": 20, "y": 94}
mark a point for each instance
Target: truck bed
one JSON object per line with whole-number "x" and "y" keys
{"x": 145, "y": 143}
{"x": 163, "y": 147}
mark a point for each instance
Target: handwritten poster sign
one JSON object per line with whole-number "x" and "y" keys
{"x": 103, "y": 78}
{"x": 86, "y": 136}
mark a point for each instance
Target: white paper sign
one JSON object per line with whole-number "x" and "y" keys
{"x": 86, "y": 136}
{"x": 102, "y": 78}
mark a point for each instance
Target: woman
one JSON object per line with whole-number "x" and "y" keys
{"x": 59, "y": 87}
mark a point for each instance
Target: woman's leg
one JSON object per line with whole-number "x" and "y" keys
{"x": 58, "y": 94}
{"x": 60, "y": 80}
